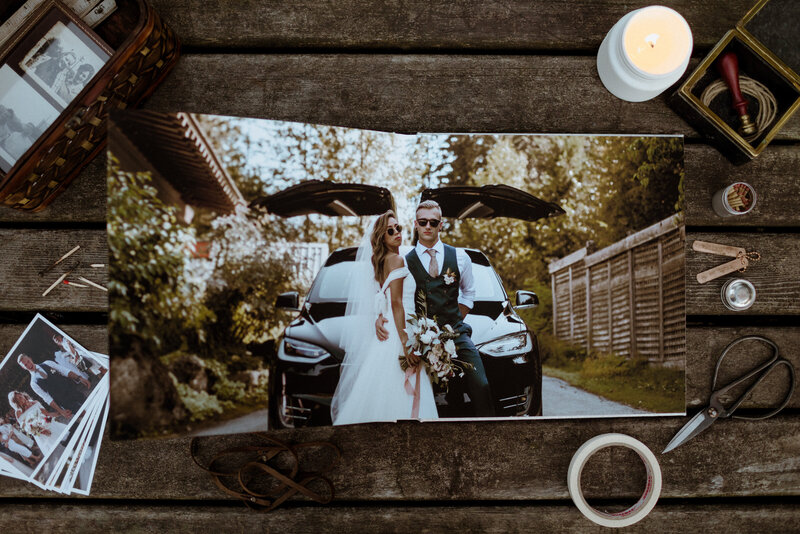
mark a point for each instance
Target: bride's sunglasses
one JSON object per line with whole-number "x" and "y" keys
{"x": 391, "y": 230}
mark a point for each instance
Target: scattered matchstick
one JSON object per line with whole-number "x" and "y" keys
{"x": 67, "y": 282}
{"x": 98, "y": 286}
{"x": 59, "y": 260}
{"x": 49, "y": 289}
{"x": 97, "y": 265}
{"x": 61, "y": 278}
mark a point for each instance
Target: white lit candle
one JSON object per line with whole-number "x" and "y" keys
{"x": 644, "y": 53}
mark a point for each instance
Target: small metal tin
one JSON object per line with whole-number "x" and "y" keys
{"x": 738, "y": 294}
{"x": 742, "y": 194}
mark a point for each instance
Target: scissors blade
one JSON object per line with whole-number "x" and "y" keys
{"x": 696, "y": 424}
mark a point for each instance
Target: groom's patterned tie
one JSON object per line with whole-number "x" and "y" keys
{"x": 433, "y": 268}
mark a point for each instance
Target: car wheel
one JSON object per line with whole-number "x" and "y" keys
{"x": 285, "y": 410}
{"x": 535, "y": 405}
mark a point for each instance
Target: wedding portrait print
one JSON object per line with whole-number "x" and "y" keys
{"x": 243, "y": 290}
{"x": 62, "y": 57}
{"x": 47, "y": 381}
{"x": 24, "y": 117}
{"x": 82, "y": 474}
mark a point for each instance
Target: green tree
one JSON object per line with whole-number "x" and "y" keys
{"x": 153, "y": 298}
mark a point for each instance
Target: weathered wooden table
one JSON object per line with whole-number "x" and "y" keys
{"x": 416, "y": 65}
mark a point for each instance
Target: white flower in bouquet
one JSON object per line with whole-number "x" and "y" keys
{"x": 434, "y": 345}
{"x": 426, "y": 338}
{"x": 35, "y": 423}
{"x": 413, "y": 330}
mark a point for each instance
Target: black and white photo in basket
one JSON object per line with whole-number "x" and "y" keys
{"x": 24, "y": 116}
{"x": 46, "y": 379}
{"x": 62, "y": 62}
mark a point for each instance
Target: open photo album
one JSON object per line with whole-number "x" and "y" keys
{"x": 269, "y": 274}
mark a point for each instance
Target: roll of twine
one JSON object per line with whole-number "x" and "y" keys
{"x": 767, "y": 105}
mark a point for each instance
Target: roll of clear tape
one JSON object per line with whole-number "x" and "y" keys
{"x": 646, "y": 502}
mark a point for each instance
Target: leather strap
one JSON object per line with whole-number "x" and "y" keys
{"x": 253, "y": 473}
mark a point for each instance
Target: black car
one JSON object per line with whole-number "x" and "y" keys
{"x": 308, "y": 357}
{"x": 306, "y": 370}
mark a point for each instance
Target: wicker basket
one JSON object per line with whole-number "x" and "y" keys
{"x": 138, "y": 65}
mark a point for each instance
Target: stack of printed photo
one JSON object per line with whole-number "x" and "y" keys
{"x": 53, "y": 409}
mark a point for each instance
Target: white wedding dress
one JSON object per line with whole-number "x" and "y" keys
{"x": 33, "y": 422}
{"x": 377, "y": 390}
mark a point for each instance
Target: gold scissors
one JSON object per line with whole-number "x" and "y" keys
{"x": 715, "y": 410}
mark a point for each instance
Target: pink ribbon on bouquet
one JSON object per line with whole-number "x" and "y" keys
{"x": 411, "y": 371}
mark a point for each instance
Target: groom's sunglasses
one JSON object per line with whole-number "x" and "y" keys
{"x": 425, "y": 222}
{"x": 397, "y": 228}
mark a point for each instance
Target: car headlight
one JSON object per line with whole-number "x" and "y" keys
{"x": 519, "y": 343}
{"x": 299, "y": 351}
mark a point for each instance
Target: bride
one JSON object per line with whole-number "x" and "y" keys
{"x": 372, "y": 386}
{"x": 36, "y": 421}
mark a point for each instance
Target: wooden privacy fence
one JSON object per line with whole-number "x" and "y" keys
{"x": 628, "y": 298}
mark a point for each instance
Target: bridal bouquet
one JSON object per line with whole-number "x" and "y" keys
{"x": 35, "y": 423}
{"x": 434, "y": 345}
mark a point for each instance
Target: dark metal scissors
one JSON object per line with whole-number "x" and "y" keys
{"x": 715, "y": 410}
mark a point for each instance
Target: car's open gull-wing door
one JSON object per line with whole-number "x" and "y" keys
{"x": 489, "y": 201}
{"x": 327, "y": 198}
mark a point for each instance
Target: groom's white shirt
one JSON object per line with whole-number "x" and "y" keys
{"x": 466, "y": 285}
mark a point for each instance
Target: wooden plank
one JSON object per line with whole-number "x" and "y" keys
{"x": 705, "y": 344}
{"x": 509, "y": 461}
{"x": 566, "y": 261}
{"x": 775, "y": 277}
{"x": 631, "y": 305}
{"x": 589, "y": 309}
{"x": 83, "y": 201}
{"x": 26, "y": 252}
{"x": 660, "y": 265}
{"x": 773, "y": 175}
{"x": 419, "y": 24}
{"x": 571, "y": 308}
{"x": 654, "y": 232}
{"x": 666, "y": 517}
{"x": 515, "y": 447}
{"x": 417, "y": 93}
{"x": 92, "y": 337}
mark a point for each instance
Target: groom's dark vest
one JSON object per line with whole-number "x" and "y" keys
{"x": 441, "y": 298}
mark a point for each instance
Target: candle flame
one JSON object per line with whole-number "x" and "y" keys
{"x": 651, "y": 39}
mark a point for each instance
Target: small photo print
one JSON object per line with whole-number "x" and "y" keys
{"x": 62, "y": 63}
{"x": 46, "y": 380}
{"x": 24, "y": 117}
{"x": 81, "y": 481}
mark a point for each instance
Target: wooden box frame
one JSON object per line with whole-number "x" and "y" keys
{"x": 762, "y": 63}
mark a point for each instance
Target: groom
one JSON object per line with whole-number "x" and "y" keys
{"x": 442, "y": 272}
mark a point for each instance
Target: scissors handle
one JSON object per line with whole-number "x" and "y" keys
{"x": 769, "y": 369}
{"x": 764, "y": 369}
